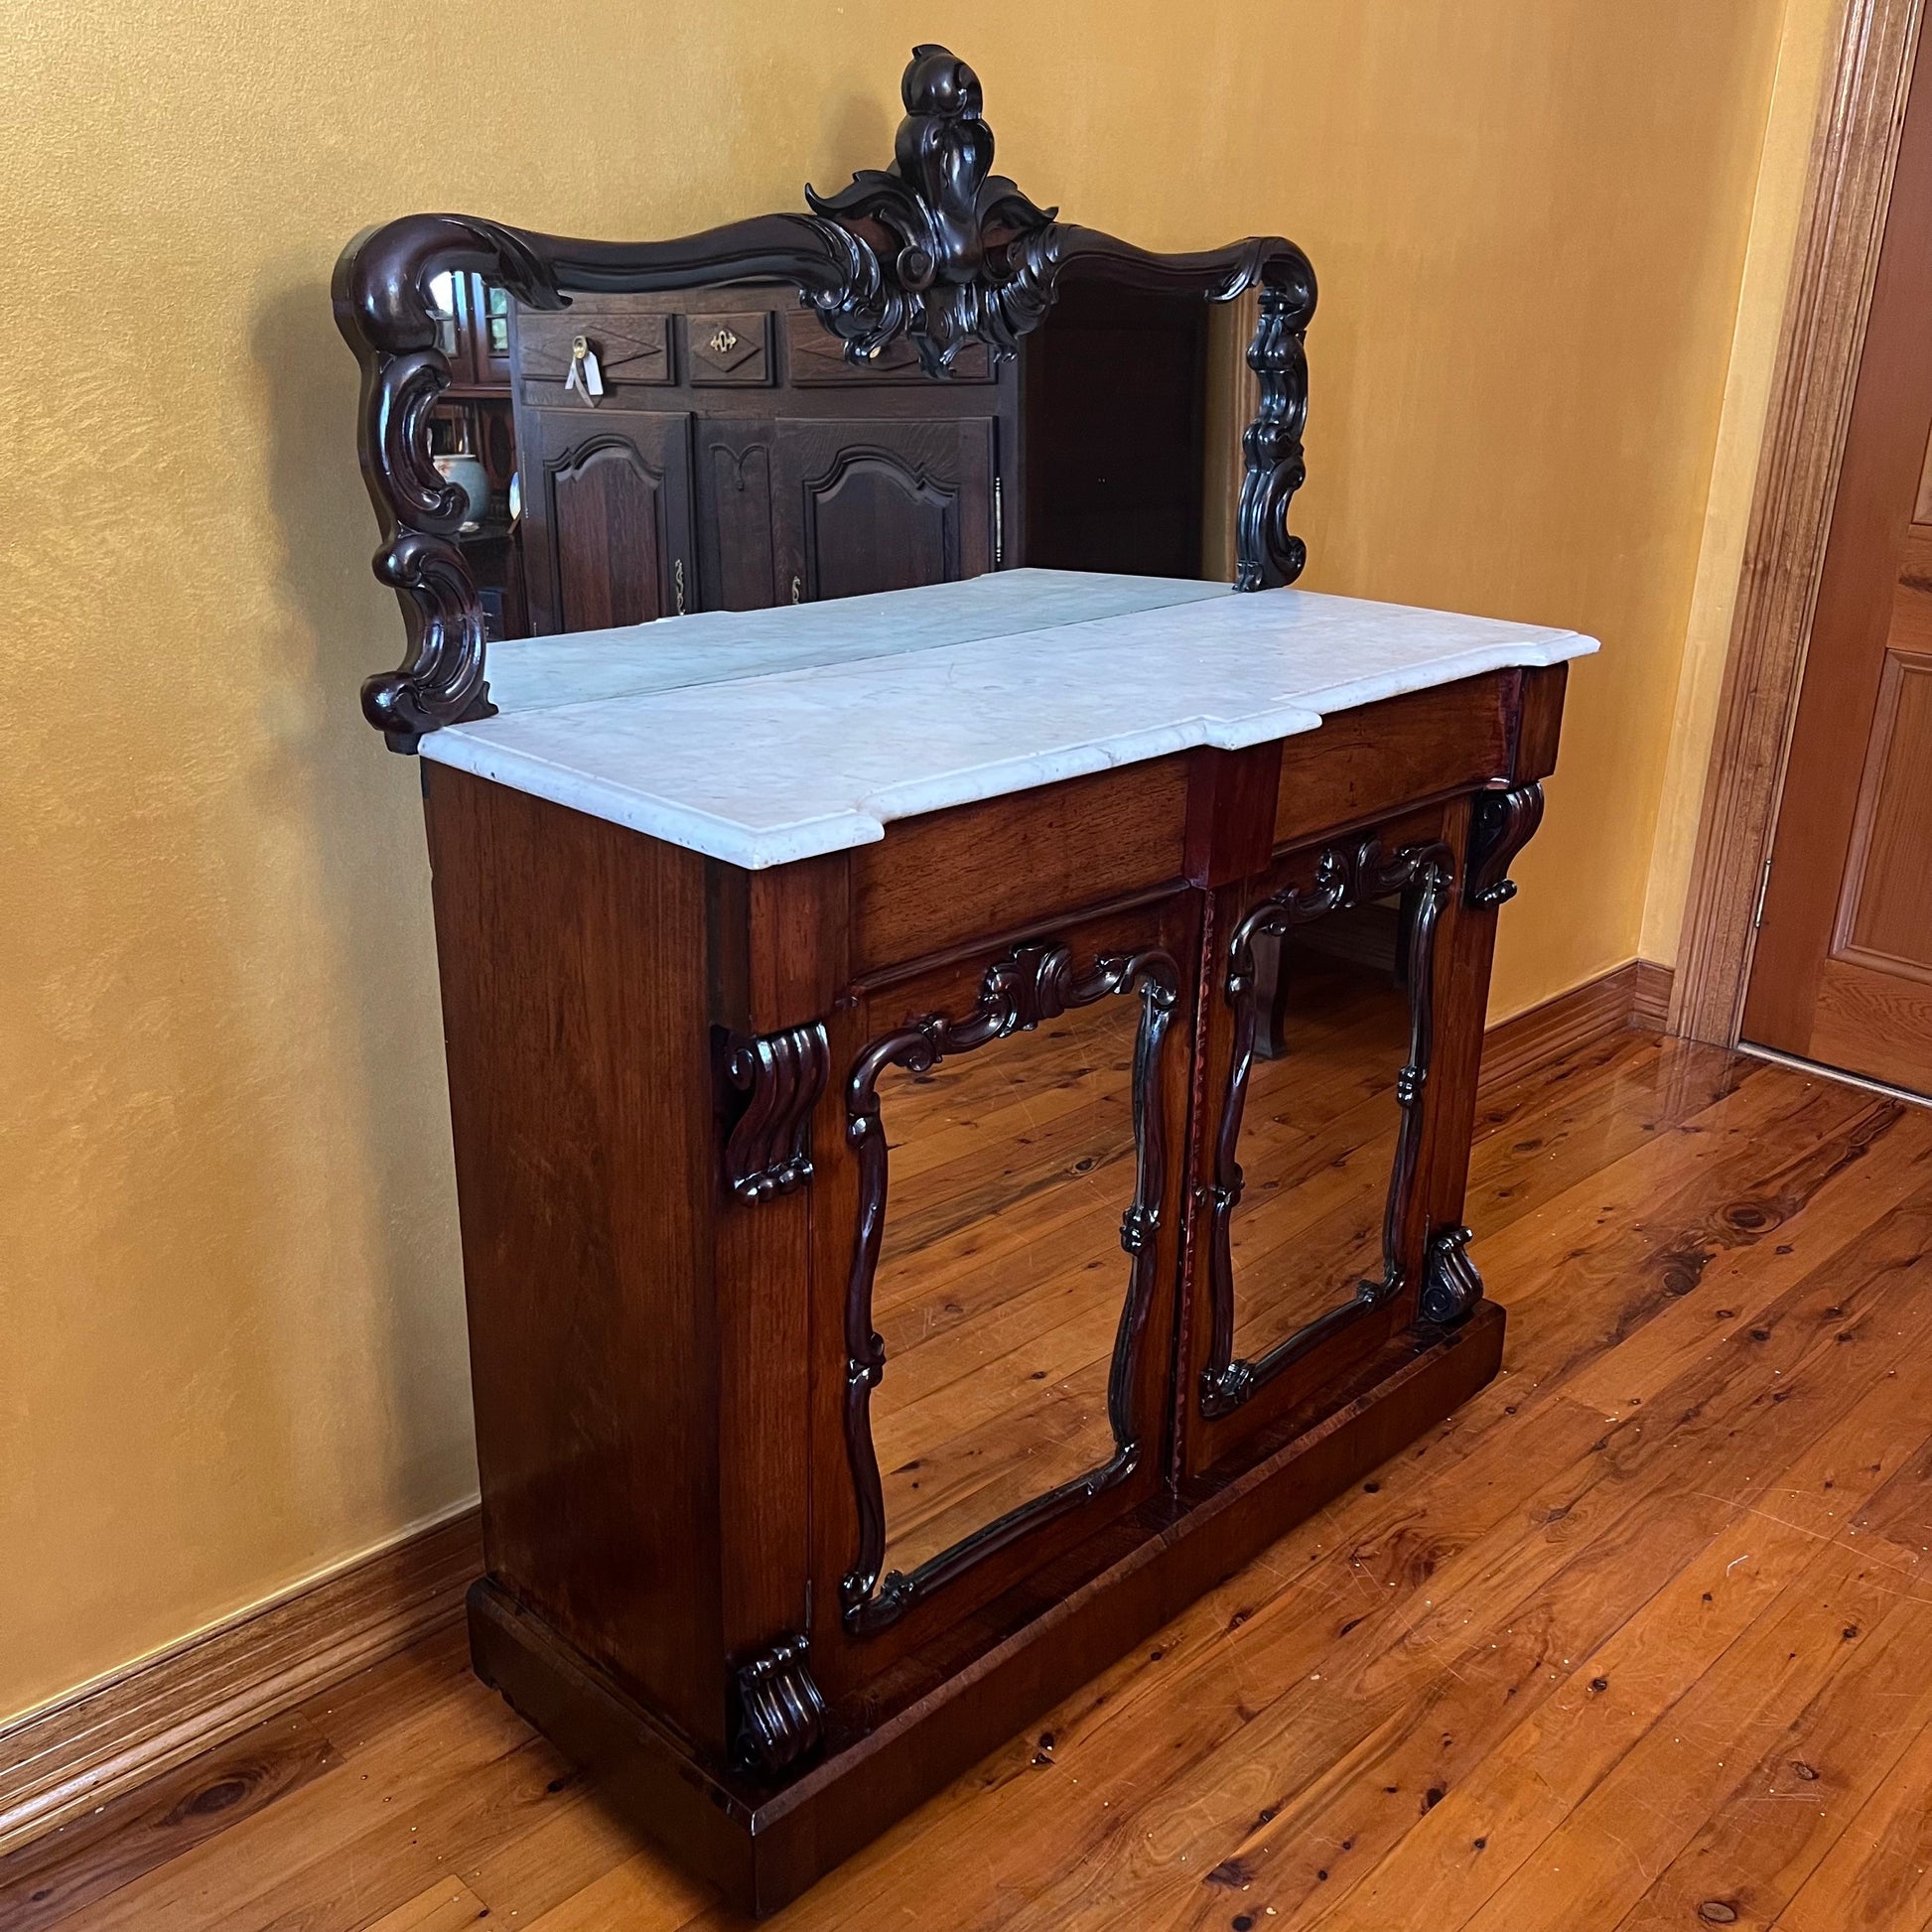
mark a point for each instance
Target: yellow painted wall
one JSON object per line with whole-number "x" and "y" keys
{"x": 229, "y": 1302}
{"x": 1807, "y": 43}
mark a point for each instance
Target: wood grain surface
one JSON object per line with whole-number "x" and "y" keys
{"x": 1842, "y": 968}
{"x": 1635, "y": 1640}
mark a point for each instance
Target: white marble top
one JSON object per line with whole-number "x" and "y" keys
{"x": 762, "y": 737}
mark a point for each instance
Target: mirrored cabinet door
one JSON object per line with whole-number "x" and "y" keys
{"x": 1328, "y": 988}
{"x": 1013, "y": 1160}
{"x": 1320, "y": 1127}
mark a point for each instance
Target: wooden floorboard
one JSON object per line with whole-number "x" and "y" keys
{"x": 1640, "y": 1638}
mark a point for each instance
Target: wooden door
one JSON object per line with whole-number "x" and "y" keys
{"x": 607, "y": 518}
{"x": 737, "y": 547}
{"x": 881, "y": 505}
{"x": 1842, "y": 971}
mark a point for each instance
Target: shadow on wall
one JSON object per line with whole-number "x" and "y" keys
{"x": 351, "y": 805}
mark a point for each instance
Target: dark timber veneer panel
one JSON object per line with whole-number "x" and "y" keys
{"x": 572, "y": 958}
{"x": 1426, "y": 743}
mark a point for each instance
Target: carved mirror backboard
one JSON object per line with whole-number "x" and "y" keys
{"x": 935, "y": 253}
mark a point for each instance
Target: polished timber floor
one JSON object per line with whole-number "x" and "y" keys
{"x": 1643, "y": 1637}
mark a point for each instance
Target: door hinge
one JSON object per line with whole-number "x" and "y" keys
{"x": 999, "y": 524}
{"x": 1763, "y": 893}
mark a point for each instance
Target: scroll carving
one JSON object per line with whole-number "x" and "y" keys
{"x": 1451, "y": 1285}
{"x": 1501, "y": 824}
{"x": 779, "y": 1715}
{"x": 937, "y": 249}
{"x": 768, "y": 1149}
{"x": 1343, "y": 877}
{"x": 1033, "y": 984}
{"x": 1271, "y": 447}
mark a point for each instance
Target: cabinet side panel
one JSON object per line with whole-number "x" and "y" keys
{"x": 572, "y": 963}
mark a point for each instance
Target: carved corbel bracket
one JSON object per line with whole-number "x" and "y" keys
{"x": 777, "y": 1714}
{"x": 1451, "y": 1285}
{"x": 937, "y": 249}
{"x": 768, "y": 1149}
{"x": 1501, "y": 824}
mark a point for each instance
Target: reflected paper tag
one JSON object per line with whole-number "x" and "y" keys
{"x": 584, "y": 376}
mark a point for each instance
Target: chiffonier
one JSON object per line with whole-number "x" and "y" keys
{"x": 961, "y": 1093}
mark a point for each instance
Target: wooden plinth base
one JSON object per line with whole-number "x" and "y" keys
{"x": 763, "y": 1846}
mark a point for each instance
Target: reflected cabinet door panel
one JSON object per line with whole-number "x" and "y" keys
{"x": 867, "y": 507}
{"x": 607, "y": 517}
{"x": 1327, "y": 999}
{"x": 1013, "y": 1162}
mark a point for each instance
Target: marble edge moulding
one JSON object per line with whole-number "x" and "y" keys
{"x": 936, "y": 249}
{"x": 688, "y": 765}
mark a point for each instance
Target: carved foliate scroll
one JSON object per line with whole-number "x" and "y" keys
{"x": 937, "y": 249}
{"x": 1501, "y": 824}
{"x": 1451, "y": 1285}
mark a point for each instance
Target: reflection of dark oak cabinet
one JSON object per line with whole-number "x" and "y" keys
{"x": 883, "y": 506}
{"x": 914, "y": 1272}
{"x": 806, "y": 476}
{"x": 858, "y": 1359}
{"x": 607, "y": 535}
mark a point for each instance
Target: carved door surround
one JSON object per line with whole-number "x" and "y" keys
{"x": 1033, "y": 983}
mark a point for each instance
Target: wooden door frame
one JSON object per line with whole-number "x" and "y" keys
{"x": 1827, "y": 307}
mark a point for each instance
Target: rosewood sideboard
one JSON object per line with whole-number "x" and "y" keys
{"x": 961, "y": 1095}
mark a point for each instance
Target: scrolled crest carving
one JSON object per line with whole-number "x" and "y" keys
{"x": 937, "y": 249}
{"x": 952, "y": 275}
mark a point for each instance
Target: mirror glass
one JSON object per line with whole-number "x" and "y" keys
{"x": 1318, "y": 1132}
{"x": 1001, "y": 1274}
